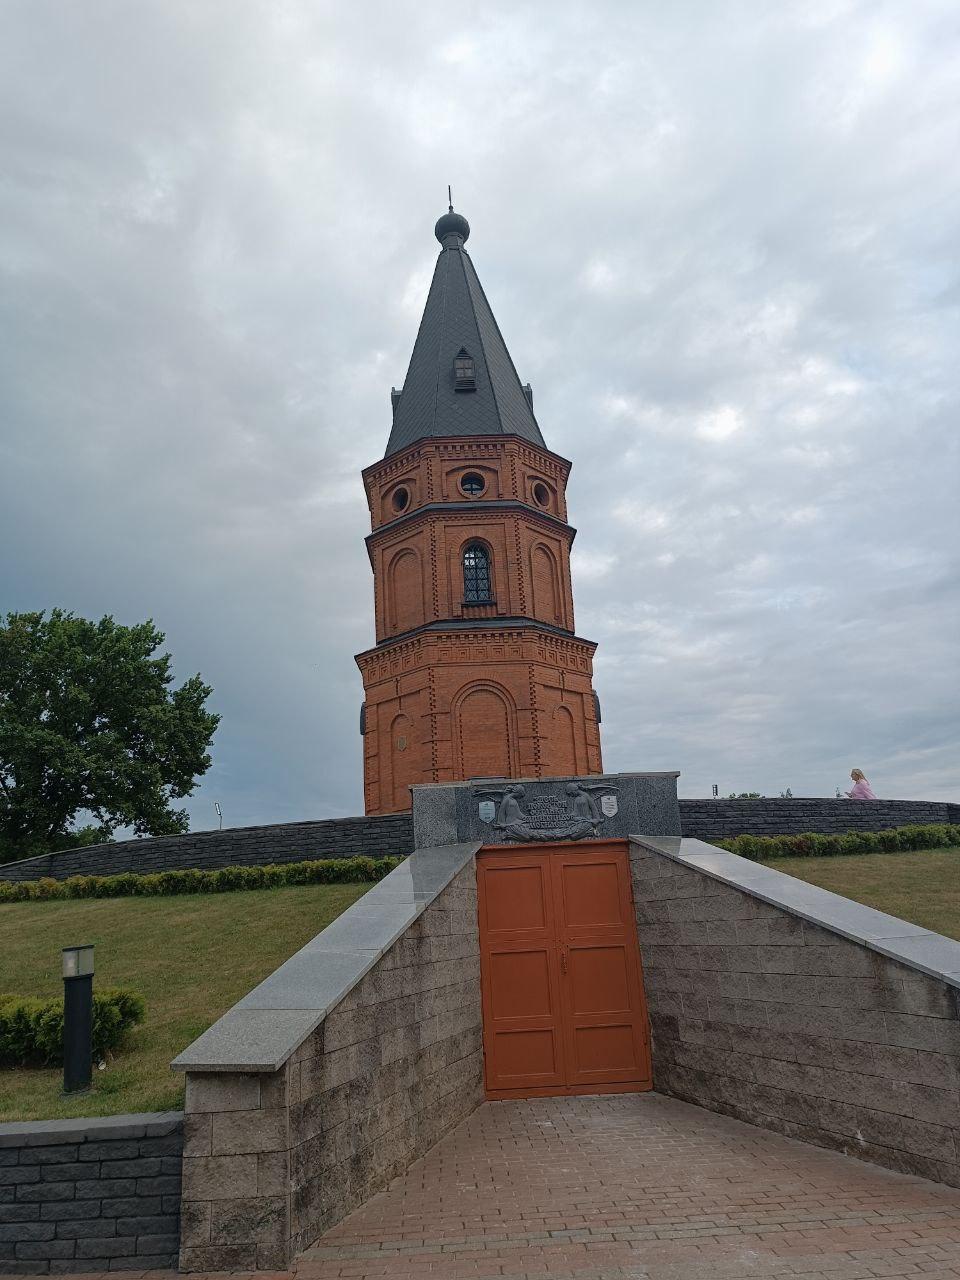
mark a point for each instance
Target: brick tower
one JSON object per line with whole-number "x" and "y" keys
{"x": 477, "y": 670}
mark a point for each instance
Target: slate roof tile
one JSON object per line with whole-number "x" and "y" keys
{"x": 457, "y": 315}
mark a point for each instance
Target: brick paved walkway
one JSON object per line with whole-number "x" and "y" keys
{"x": 637, "y": 1187}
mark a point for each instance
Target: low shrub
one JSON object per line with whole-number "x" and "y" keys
{"x": 128, "y": 884}
{"x": 814, "y": 844}
{"x": 31, "y": 1030}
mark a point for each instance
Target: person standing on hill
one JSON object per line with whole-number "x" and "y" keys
{"x": 861, "y": 787}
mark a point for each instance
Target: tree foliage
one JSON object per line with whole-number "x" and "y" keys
{"x": 90, "y": 723}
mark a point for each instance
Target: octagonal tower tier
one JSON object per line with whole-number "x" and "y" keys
{"x": 477, "y": 671}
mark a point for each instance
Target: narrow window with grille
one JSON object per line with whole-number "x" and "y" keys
{"x": 476, "y": 575}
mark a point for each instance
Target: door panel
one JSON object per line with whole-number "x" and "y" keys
{"x": 599, "y": 980}
{"x": 520, "y": 984}
{"x": 523, "y": 1038}
{"x": 601, "y": 1050}
{"x": 517, "y": 898}
{"x": 563, "y": 1002}
{"x": 527, "y": 1058}
{"x": 591, "y": 892}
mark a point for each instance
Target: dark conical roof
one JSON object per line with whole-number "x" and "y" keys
{"x": 457, "y": 319}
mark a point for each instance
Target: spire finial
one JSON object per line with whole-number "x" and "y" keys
{"x": 453, "y": 228}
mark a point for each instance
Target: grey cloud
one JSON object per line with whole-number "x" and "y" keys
{"x": 720, "y": 241}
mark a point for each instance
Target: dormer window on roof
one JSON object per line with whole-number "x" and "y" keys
{"x": 464, "y": 371}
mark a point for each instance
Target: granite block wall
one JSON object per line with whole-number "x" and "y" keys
{"x": 392, "y": 834}
{"x": 90, "y": 1195}
{"x": 767, "y": 1017}
{"x": 388, "y": 835}
{"x": 721, "y": 819}
{"x": 271, "y": 1161}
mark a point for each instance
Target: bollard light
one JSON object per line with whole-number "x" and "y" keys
{"x": 77, "y": 963}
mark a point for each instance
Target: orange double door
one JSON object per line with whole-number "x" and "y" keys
{"x": 563, "y": 1004}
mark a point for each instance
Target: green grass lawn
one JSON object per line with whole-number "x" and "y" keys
{"x": 191, "y": 957}
{"x": 923, "y": 887}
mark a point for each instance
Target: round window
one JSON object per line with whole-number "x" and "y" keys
{"x": 472, "y": 483}
{"x": 401, "y": 499}
{"x": 541, "y": 494}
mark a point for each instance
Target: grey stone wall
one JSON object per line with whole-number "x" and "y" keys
{"x": 766, "y": 1016}
{"x": 272, "y": 1160}
{"x": 392, "y": 834}
{"x": 447, "y": 812}
{"x": 389, "y": 834}
{"x": 90, "y": 1195}
{"x": 721, "y": 819}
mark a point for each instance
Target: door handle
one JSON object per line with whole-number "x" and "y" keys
{"x": 563, "y": 958}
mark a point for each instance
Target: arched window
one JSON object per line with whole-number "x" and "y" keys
{"x": 476, "y": 574}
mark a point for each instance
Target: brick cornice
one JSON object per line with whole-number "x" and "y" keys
{"x": 470, "y": 513}
{"x": 467, "y": 447}
{"x": 450, "y": 635}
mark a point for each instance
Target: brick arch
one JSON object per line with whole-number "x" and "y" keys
{"x": 485, "y": 731}
{"x": 545, "y": 576}
{"x": 562, "y": 752}
{"x": 404, "y": 757}
{"x": 405, "y": 591}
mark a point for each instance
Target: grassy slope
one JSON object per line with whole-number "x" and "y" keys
{"x": 923, "y": 887}
{"x": 192, "y": 957}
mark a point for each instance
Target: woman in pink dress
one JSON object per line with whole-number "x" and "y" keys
{"x": 861, "y": 787}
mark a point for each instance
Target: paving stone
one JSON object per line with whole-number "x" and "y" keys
{"x": 638, "y": 1187}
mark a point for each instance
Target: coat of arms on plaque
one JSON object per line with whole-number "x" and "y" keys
{"x": 574, "y": 816}
{"x": 608, "y": 804}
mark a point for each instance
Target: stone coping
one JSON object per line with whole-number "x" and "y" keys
{"x": 910, "y": 944}
{"x": 263, "y": 1029}
{"x": 46, "y": 1133}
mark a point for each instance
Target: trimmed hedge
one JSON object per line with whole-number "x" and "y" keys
{"x": 811, "y": 844}
{"x": 128, "y": 884}
{"x": 31, "y": 1030}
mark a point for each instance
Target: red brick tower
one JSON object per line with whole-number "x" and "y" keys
{"x": 477, "y": 670}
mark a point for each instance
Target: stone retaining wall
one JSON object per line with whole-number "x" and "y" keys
{"x": 90, "y": 1195}
{"x": 721, "y": 819}
{"x": 392, "y": 834}
{"x": 272, "y": 1159}
{"x": 798, "y": 1017}
{"x": 387, "y": 835}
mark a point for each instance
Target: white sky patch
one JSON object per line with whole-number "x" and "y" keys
{"x": 801, "y": 516}
{"x": 720, "y": 424}
{"x": 643, "y": 517}
{"x": 457, "y": 52}
{"x": 591, "y": 564}
{"x": 599, "y": 276}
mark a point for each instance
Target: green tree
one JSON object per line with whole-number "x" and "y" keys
{"x": 90, "y": 723}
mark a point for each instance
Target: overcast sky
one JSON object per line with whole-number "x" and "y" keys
{"x": 721, "y": 240}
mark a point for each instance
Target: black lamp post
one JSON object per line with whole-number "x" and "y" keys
{"x": 77, "y": 1018}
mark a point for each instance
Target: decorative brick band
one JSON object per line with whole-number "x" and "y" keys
{"x": 90, "y": 1195}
